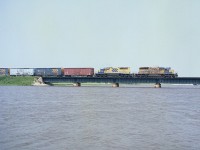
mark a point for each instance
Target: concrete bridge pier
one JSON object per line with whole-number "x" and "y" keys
{"x": 77, "y": 84}
{"x": 115, "y": 85}
{"x": 157, "y": 85}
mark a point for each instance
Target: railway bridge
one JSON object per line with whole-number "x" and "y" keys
{"x": 116, "y": 80}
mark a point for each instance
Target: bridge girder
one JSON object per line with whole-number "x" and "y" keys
{"x": 179, "y": 80}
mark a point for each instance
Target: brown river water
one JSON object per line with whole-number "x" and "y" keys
{"x": 99, "y": 118}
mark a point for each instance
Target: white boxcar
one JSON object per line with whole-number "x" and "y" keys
{"x": 21, "y": 71}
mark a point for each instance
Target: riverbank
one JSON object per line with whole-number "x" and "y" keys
{"x": 18, "y": 80}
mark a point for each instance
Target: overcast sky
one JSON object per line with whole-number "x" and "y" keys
{"x": 101, "y": 33}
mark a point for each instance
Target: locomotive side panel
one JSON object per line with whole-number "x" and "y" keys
{"x": 114, "y": 72}
{"x": 156, "y": 72}
{"x": 122, "y": 70}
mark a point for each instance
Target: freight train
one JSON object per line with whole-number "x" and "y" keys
{"x": 144, "y": 72}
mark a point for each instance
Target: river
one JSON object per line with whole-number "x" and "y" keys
{"x": 99, "y": 118}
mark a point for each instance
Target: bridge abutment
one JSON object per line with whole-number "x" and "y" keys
{"x": 115, "y": 85}
{"x": 77, "y": 84}
{"x": 157, "y": 85}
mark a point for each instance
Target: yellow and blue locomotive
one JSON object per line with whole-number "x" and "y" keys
{"x": 114, "y": 72}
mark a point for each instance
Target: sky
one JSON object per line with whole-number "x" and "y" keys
{"x": 101, "y": 33}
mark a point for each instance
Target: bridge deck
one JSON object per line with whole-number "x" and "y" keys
{"x": 179, "y": 80}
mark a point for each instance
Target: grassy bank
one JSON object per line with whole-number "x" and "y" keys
{"x": 18, "y": 80}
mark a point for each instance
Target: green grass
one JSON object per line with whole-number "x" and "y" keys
{"x": 18, "y": 80}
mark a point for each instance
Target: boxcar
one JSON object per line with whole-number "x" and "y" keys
{"x": 78, "y": 72}
{"x": 47, "y": 72}
{"x": 21, "y": 71}
{"x": 4, "y": 71}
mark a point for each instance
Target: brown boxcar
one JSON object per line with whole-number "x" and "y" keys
{"x": 78, "y": 71}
